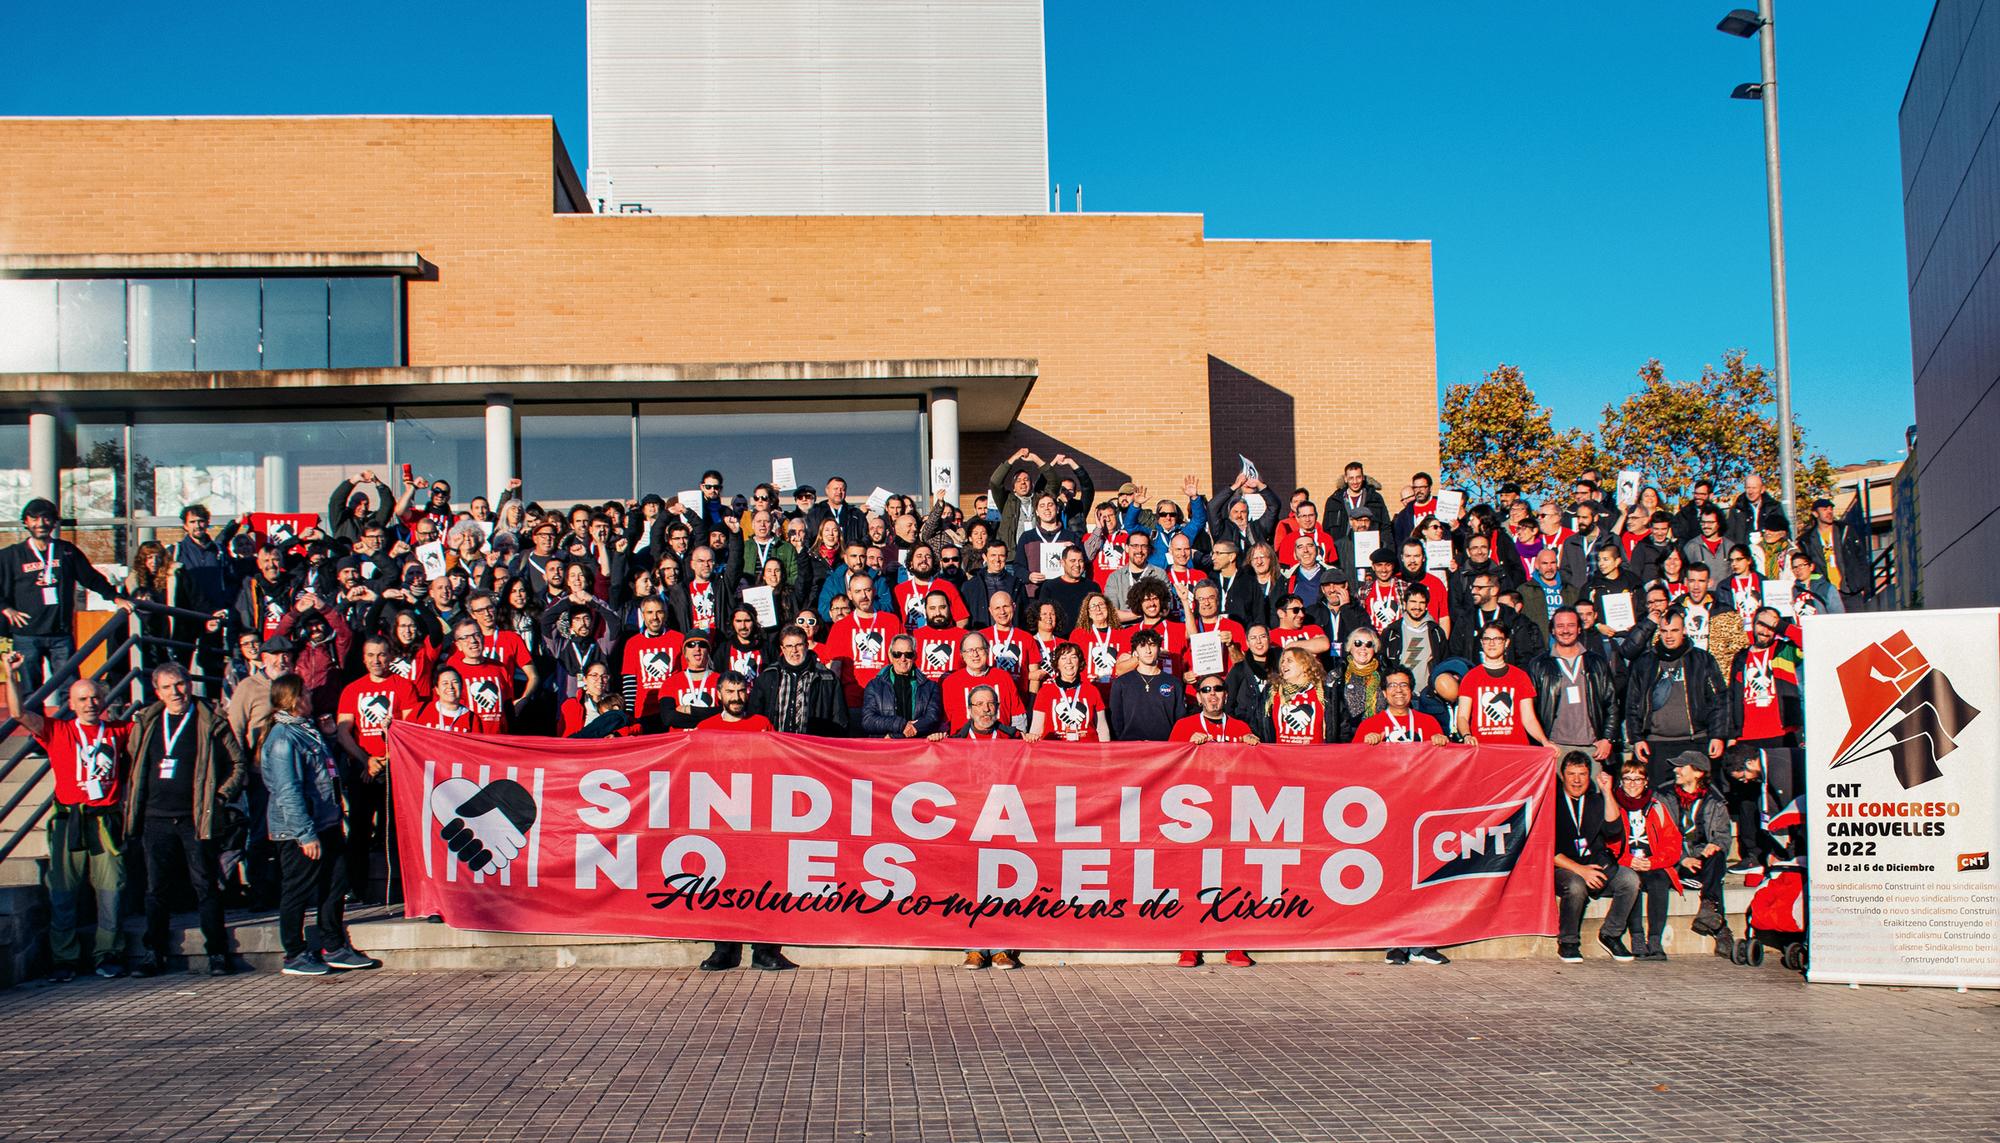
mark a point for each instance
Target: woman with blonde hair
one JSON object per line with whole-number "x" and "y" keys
{"x": 1359, "y": 687}
{"x": 1302, "y": 708}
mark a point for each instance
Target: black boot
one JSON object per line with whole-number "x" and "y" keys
{"x": 725, "y": 957}
{"x": 770, "y": 958}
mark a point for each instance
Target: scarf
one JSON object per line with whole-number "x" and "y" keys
{"x": 1370, "y": 678}
{"x": 1631, "y": 802}
{"x": 1689, "y": 797}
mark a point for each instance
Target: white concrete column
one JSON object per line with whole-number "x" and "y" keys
{"x": 499, "y": 446}
{"x": 44, "y": 460}
{"x": 274, "y": 484}
{"x": 944, "y": 438}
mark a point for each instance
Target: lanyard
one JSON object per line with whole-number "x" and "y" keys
{"x": 1219, "y": 730}
{"x": 173, "y": 733}
{"x": 47, "y": 557}
{"x": 1570, "y": 672}
{"x": 95, "y": 744}
{"x": 764, "y": 550}
{"x": 1575, "y": 808}
{"x": 1396, "y": 727}
{"x": 1063, "y": 696}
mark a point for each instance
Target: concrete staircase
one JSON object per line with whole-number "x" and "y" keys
{"x": 24, "y": 904}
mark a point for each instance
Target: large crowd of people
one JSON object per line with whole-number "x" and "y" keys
{"x": 1651, "y": 646}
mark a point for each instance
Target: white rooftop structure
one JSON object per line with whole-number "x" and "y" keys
{"x": 817, "y": 107}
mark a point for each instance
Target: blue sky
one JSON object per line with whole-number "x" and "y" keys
{"x": 1593, "y": 195}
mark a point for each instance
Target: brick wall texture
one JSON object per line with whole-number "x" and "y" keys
{"x": 1161, "y": 354}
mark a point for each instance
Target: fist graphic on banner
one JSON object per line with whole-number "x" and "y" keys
{"x": 485, "y": 826}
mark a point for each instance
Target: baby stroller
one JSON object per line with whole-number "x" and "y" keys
{"x": 1776, "y": 919}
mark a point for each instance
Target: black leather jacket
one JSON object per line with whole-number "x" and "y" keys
{"x": 1600, "y": 693}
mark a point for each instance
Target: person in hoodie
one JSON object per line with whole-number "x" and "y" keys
{"x": 1440, "y": 698}
{"x": 1703, "y": 821}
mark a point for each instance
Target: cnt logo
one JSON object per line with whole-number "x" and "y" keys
{"x": 1900, "y": 705}
{"x": 1478, "y": 841}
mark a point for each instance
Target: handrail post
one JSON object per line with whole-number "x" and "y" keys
{"x": 135, "y": 632}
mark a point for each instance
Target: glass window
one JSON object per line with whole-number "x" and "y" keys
{"x": 295, "y": 323}
{"x": 93, "y": 474}
{"x": 227, "y": 321}
{"x": 576, "y": 452}
{"x": 868, "y": 447}
{"x": 236, "y": 461}
{"x": 13, "y": 470}
{"x": 443, "y": 442}
{"x": 28, "y": 315}
{"x": 161, "y": 330}
{"x": 90, "y": 325}
{"x": 366, "y": 326}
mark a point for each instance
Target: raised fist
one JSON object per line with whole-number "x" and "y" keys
{"x": 485, "y": 827}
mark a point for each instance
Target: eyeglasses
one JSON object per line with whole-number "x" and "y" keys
{"x": 1398, "y": 685}
{"x": 1292, "y": 608}
{"x": 902, "y": 654}
{"x": 1212, "y": 690}
{"x": 711, "y": 488}
{"x": 1363, "y": 646}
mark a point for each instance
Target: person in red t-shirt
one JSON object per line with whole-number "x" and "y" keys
{"x": 1068, "y": 708}
{"x": 1292, "y": 628}
{"x": 733, "y": 715}
{"x": 691, "y": 693}
{"x": 447, "y": 709}
{"x": 1303, "y": 523}
{"x": 1496, "y": 700}
{"x": 89, "y": 761}
{"x": 489, "y": 687}
{"x": 650, "y": 659}
{"x": 367, "y": 706}
{"x": 937, "y": 640}
{"x": 505, "y": 649}
{"x": 913, "y": 594}
{"x": 1212, "y": 722}
{"x": 1011, "y": 648}
{"x": 1397, "y": 721}
{"x": 979, "y": 672}
{"x": 860, "y": 640}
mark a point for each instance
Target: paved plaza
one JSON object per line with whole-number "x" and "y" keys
{"x": 1491, "y": 1050}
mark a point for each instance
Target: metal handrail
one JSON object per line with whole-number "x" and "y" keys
{"x": 128, "y": 651}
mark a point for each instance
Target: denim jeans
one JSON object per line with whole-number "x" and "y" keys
{"x": 1573, "y": 896}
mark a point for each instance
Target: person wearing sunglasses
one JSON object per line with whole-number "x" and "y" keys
{"x": 900, "y": 702}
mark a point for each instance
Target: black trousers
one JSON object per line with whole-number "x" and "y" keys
{"x": 313, "y": 882}
{"x": 1654, "y": 889}
{"x": 175, "y": 857}
{"x": 1746, "y": 798}
{"x": 734, "y": 949}
{"x": 367, "y": 825}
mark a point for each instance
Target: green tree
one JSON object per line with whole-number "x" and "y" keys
{"x": 1495, "y": 432}
{"x": 1719, "y": 425}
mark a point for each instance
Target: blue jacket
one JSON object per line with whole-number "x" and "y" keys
{"x": 836, "y": 584}
{"x": 305, "y": 790}
{"x": 1137, "y": 519}
{"x": 878, "y": 708}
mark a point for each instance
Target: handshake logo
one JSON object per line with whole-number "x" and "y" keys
{"x": 486, "y": 827}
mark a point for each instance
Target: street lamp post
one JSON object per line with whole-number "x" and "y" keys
{"x": 1744, "y": 24}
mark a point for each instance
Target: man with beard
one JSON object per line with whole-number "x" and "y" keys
{"x": 367, "y": 706}
{"x": 1357, "y": 500}
{"x": 937, "y": 638}
{"x": 691, "y": 692}
{"x": 796, "y": 693}
{"x": 38, "y": 581}
{"x": 733, "y": 716}
{"x": 706, "y": 599}
{"x": 650, "y": 659}
{"x": 747, "y": 649}
{"x": 1649, "y": 555}
{"x": 1576, "y": 696}
{"x": 1483, "y": 589}
{"x": 1764, "y": 713}
{"x": 1674, "y": 701}
{"x": 859, "y": 639}
{"x": 913, "y": 594}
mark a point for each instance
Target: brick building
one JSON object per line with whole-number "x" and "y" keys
{"x": 243, "y": 310}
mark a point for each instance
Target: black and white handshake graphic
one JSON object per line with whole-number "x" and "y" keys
{"x": 484, "y": 826}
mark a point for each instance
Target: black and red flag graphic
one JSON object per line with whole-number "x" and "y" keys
{"x": 1900, "y": 705}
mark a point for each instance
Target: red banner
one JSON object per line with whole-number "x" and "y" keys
{"x": 956, "y": 844}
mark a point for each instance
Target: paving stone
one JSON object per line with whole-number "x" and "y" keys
{"x": 1484, "y": 1050}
